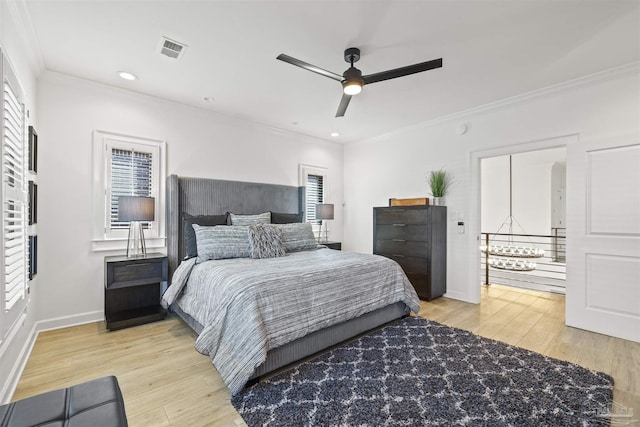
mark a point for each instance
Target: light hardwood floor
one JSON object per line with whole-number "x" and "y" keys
{"x": 166, "y": 382}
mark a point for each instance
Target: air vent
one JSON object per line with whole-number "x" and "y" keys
{"x": 171, "y": 48}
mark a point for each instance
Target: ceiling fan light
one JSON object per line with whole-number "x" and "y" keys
{"x": 352, "y": 88}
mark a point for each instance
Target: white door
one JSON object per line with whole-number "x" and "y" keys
{"x": 603, "y": 236}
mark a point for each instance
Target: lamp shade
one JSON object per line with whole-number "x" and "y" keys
{"x": 324, "y": 211}
{"x": 134, "y": 208}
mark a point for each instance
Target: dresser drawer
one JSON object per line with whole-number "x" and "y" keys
{"x": 410, "y": 264}
{"x": 401, "y": 247}
{"x": 416, "y": 233}
{"x": 421, "y": 284}
{"x": 401, "y": 216}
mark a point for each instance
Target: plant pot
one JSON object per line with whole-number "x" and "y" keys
{"x": 438, "y": 201}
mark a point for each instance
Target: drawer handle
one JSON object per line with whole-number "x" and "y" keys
{"x": 399, "y": 225}
{"x": 399, "y": 256}
{"x": 399, "y": 240}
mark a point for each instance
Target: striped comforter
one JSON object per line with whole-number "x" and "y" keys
{"x": 250, "y": 306}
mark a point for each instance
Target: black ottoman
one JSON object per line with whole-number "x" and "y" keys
{"x": 97, "y": 403}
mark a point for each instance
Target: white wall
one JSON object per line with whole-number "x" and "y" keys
{"x": 394, "y": 165}
{"x": 200, "y": 143}
{"x": 532, "y": 191}
{"x": 12, "y": 41}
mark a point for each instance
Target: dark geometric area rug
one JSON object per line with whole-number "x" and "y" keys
{"x": 417, "y": 372}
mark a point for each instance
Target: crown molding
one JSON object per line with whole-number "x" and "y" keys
{"x": 22, "y": 19}
{"x": 632, "y": 68}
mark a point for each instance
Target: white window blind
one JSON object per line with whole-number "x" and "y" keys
{"x": 314, "y": 195}
{"x": 15, "y": 241}
{"x": 14, "y": 205}
{"x": 131, "y": 175}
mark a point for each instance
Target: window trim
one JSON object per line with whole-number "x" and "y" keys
{"x": 11, "y": 319}
{"x": 306, "y": 170}
{"x": 102, "y": 238}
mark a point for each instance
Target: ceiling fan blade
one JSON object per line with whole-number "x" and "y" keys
{"x": 293, "y": 61}
{"x": 344, "y": 103}
{"x": 402, "y": 71}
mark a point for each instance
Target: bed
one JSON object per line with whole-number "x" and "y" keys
{"x": 315, "y": 326}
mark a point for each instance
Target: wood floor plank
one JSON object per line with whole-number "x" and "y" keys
{"x": 166, "y": 382}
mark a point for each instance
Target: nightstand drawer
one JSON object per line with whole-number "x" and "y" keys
{"x": 333, "y": 245}
{"x": 147, "y": 270}
{"x": 135, "y": 272}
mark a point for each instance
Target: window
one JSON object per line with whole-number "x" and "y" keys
{"x": 126, "y": 166}
{"x": 315, "y": 181}
{"x": 314, "y": 195}
{"x": 131, "y": 175}
{"x": 14, "y": 202}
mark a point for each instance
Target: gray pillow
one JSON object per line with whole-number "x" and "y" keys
{"x": 265, "y": 241}
{"x": 190, "y": 246}
{"x": 297, "y": 237}
{"x": 285, "y": 218}
{"x": 221, "y": 242}
{"x": 263, "y": 218}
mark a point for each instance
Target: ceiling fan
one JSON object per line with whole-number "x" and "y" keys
{"x": 352, "y": 80}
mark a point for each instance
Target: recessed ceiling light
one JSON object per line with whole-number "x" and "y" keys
{"x": 334, "y": 134}
{"x": 209, "y": 98}
{"x": 127, "y": 76}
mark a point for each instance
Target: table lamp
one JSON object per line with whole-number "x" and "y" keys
{"x": 136, "y": 209}
{"x": 324, "y": 211}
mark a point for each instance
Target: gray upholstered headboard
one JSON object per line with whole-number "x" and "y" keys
{"x": 201, "y": 196}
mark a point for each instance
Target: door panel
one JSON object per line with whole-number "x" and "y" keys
{"x": 612, "y": 191}
{"x": 603, "y": 236}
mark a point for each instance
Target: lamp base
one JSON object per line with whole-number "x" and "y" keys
{"x": 136, "y": 246}
{"x": 323, "y": 230}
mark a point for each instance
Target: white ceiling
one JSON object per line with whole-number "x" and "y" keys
{"x": 491, "y": 50}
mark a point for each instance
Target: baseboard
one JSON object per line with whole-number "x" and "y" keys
{"x": 16, "y": 372}
{"x": 461, "y": 296}
{"x": 40, "y": 326}
{"x": 67, "y": 321}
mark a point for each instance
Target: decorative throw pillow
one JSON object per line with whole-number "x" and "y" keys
{"x": 285, "y": 218}
{"x": 265, "y": 241}
{"x": 298, "y": 237}
{"x": 221, "y": 242}
{"x": 263, "y": 218}
{"x": 190, "y": 246}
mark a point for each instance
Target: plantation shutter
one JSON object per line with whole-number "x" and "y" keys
{"x": 314, "y": 195}
{"x": 131, "y": 175}
{"x": 14, "y": 206}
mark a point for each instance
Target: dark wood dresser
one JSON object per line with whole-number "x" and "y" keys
{"x": 416, "y": 238}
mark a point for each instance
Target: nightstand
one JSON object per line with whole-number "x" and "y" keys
{"x": 333, "y": 245}
{"x": 132, "y": 289}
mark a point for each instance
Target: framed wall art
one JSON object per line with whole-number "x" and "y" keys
{"x": 33, "y": 256}
{"x": 33, "y": 203}
{"x": 33, "y": 150}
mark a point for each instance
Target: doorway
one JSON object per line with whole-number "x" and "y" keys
{"x": 523, "y": 220}
{"x": 475, "y": 200}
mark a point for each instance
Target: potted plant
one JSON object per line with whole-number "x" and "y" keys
{"x": 439, "y": 182}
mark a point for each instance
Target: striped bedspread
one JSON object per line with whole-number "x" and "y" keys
{"x": 249, "y": 306}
